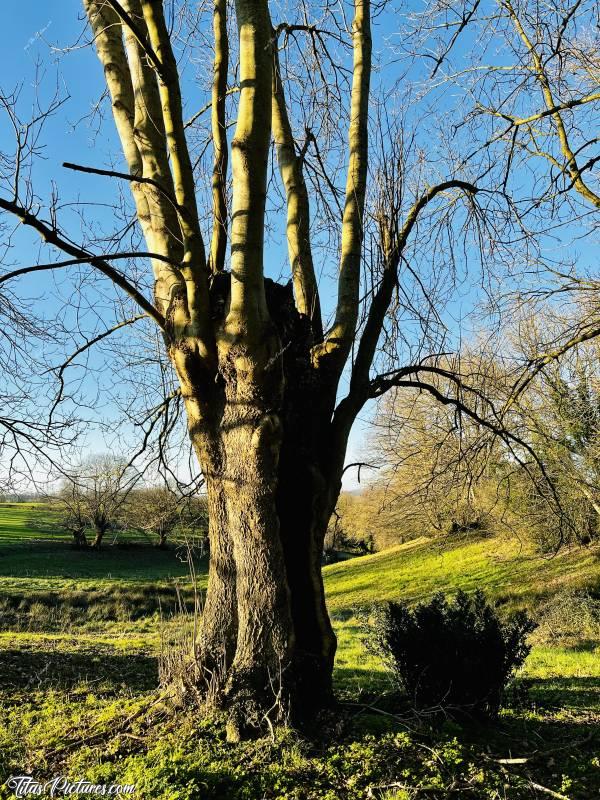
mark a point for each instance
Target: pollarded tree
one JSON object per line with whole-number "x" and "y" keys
{"x": 270, "y": 388}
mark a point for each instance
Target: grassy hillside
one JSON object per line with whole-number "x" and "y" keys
{"x": 509, "y": 571}
{"x": 81, "y": 635}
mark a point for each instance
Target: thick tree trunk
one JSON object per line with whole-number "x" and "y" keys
{"x": 266, "y": 645}
{"x": 304, "y": 504}
{"x": 97, "y": 543}
{"x": 259, "y": 394}
{"x": 79, "y": 539}
{"x": 303, "y": 515}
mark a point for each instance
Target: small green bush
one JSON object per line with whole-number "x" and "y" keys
{"x": 451, "y": 655}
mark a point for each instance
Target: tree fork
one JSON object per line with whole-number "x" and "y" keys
{"x": 265, "y": 645}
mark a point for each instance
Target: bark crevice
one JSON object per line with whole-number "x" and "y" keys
{"x": 265, "y": 645}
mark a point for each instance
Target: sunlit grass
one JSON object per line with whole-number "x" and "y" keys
{"x": 508, "y": 570}
{"x": 81, "y": 634}
{"x": 510, "y": 573}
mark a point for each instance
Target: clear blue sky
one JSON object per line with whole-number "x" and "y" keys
{"x": 33, "y": 42}
{"x": 41, "y": 53}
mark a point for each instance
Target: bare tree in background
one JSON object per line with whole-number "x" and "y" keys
{"x": 94, "y": 494}
{"x": 155, "y": 510}
{"x": 271, "y": 387}
{"x": 70, "y": 507}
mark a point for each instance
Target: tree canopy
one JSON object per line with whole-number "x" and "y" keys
{"x": 429, "y": 162}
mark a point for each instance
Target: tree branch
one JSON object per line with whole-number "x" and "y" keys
{"x": 125, "y": 176}
{"x": 91, "y": 342}
{"x": 138, "y": 117}
{"x": 81, "y": 350}
{"x": 537, "y": 364}
{"x": 249, "y": 159}
{"x": 497, "y": 429}
{"x": 218, "y": 243}
{"x": 90, "y": 259}
{"x": 338, "y": 341}
{"x": 139, "y": 35}
{"x": 396, "y": 242}
{"x": 552, "y": 107}
{"x": 207, "y": 107}
{"x": 51, "y": 236}
{"x": 194, "y": 267}
{"x": 547, "y": 112}
{"x": 306, "y": 290}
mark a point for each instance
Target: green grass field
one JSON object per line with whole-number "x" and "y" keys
{"x": 81, "y": 635}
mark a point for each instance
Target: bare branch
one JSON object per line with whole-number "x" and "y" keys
{"x": 109, "y": 173}
{"x": 51, "y": 236}
{"x": 338, "y": 340}
{"x": 219, "y": 136}
{"x": 298, "y": 212}
{"x": 140, "y": 35}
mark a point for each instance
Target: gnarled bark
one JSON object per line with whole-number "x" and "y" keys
{"x": 265, "y": 644}
{"x": 246, "y": 351}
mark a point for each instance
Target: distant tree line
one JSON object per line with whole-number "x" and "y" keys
{"x": 103, "y": 496}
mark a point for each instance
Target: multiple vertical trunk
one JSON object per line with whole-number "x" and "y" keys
{"x": 257, "y": 374}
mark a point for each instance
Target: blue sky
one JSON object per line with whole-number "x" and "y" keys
{"x": 44, "y": 39}
{"x": 41, "y": 49}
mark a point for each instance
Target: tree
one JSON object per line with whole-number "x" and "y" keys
{"x": 194, "y": 519}
{"x": 561, "y": 414}
{"x": 156, "y": 510}
{"x": 98, "y": 491}
{"x": 271, "y": 391}
{"x": 72, "y": 511}
{"x": 441, "y": 471}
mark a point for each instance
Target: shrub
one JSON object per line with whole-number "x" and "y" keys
{"x": 450, "y": 654}
{"x": 570, "y": 615}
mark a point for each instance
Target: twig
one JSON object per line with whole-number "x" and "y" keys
{"x": 550, "y": 792}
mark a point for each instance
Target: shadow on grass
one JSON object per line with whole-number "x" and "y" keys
{"x": 35, "y": 558}
{"x": 549, "y": 729}
{"x": 552, "y": 693}
{"x": 30, "y": 670}
{"x": 529, "y": 694}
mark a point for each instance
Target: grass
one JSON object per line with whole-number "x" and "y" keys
{"x": 80, "y": 636}
{"x": 46, "y": 583}
{"x": 36, "y": 553}
{"x": 508, "y": 569}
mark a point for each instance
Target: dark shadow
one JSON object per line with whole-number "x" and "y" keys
{"x": 37, "y": 558}
{"x": 552, "y": 726}
{"x": 29, "y": 669}
{"x": 581, "y": 693}
{"x": 581, "y": 646}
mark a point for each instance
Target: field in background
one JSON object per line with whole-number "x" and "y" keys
{"x": 81, "y": 633}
